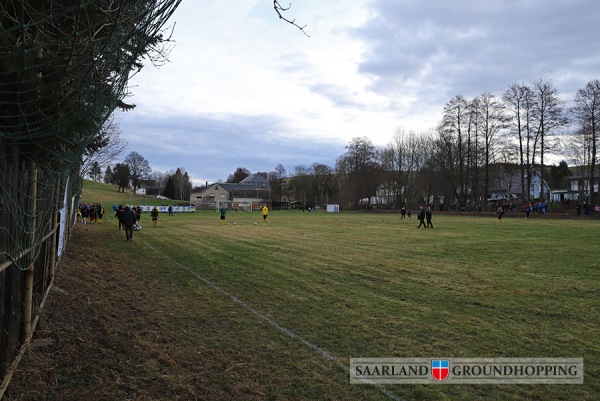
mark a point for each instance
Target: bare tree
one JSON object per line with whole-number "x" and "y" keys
{"x": 300, "y": 183}
{"x": 139, "y": 169}
{"x": 106, "y": 146}
{"x": 519, "y": 101}
{"x": 399, "y": 162}
{"x": 276, "y": 179}
{"x": 323, "y": 183}
{"x": 493, "y": 120}
{"x": 160, "y": 179}
{"x": 455, "y": 137}
{"x": 361, "y": 167}
{"x": 586, "y": 113}
{"x": 548, "y": 116}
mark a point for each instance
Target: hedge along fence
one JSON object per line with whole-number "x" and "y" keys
{"x": 27, "y": 277}
{"x": 64, "y": 68}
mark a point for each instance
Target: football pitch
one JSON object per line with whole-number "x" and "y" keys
{"x": 278, "y": 310}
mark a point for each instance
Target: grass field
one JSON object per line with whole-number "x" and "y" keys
{"x": 107, "y": 195}
{"x": 277, "y": 311}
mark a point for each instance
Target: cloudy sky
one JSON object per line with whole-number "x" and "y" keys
{"x": 245, "y": 89}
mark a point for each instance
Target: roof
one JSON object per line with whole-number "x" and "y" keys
{"x": 252, "y": 182}
{"x": 257, "y": 180}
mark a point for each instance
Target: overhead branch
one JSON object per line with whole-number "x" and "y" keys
{"x": 279, "y": 10}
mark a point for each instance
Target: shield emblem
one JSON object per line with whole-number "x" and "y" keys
{"x": 440, "y": 369}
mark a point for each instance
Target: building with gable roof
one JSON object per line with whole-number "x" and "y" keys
{"x": 250, "y": 193}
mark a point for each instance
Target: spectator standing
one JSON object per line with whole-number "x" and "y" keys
{"x": 128, "y": 219}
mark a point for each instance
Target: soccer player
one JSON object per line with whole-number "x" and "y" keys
{"x": 421, "y": 217}
{"x": 265, "y": 214}
{"x": 154, "y": 215}
{"x": 223, "y": 212}
{"x": 500, "y": 213}
{"x": 428, "y": 214}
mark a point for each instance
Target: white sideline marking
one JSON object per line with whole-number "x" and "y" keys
{"x": 325, "y": 354}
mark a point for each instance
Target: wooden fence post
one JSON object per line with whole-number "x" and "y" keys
{"x": 28, "y": 293}
{"x": 54, "y": 227}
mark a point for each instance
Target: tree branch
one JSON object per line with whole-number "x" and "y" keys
{"x": 279, "y": 9}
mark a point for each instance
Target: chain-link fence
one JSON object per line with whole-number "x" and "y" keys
{"x": 64, "y": 68}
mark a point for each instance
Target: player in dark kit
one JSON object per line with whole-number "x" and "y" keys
{"x": 154, "y": 215}
{"x": 421, "y": 217}
{"x": 223, "y": 212}
{"x": 500, "y": 213}
{"x": 428, "y": 214}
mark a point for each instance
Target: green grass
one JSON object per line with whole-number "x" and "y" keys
{"x": 107, "y": 195}
{"x": 373, "y": 285}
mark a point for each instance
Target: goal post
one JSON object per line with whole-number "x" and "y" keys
{"x": 226, "y": 204}
{"x": 245, "y": 206}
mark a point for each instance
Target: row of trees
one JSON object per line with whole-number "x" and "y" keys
{"x": 135, "y": 171}
{"x": 458, "y": 162}
{"x": 131, "y": 172}
{"x": 476, "y": 141}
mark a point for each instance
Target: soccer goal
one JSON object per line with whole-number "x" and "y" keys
{"x": 245, "y": 207}
{"x": 226, "y": 204}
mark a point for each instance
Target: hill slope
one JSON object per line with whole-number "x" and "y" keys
{"x": 107, "y": 195}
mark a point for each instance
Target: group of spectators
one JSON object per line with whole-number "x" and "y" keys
{"x": 587, "y": 209}
{"x": 128, "y": 216}
{"x": 92, "y": 212}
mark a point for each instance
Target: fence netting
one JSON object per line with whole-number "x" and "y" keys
{"x": 64, "y": 68}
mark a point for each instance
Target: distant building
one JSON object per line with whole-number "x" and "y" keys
{"x": 579, "y": 188}
{"x": 250, "y": 193}
{"x": 507, "y": 186}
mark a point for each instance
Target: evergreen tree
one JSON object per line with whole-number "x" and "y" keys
{"x": 121, "y": 176}
{"x": 239, "y": 174}
{"x": 95, "y": 171}
{"x": 170, "y": 190}
{"x": 108, "y": 176}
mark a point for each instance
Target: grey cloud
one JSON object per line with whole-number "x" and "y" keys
{"x": 339, "y": 95}
{"x": 212, "y": 147}
{"x": 468, "y": 47}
